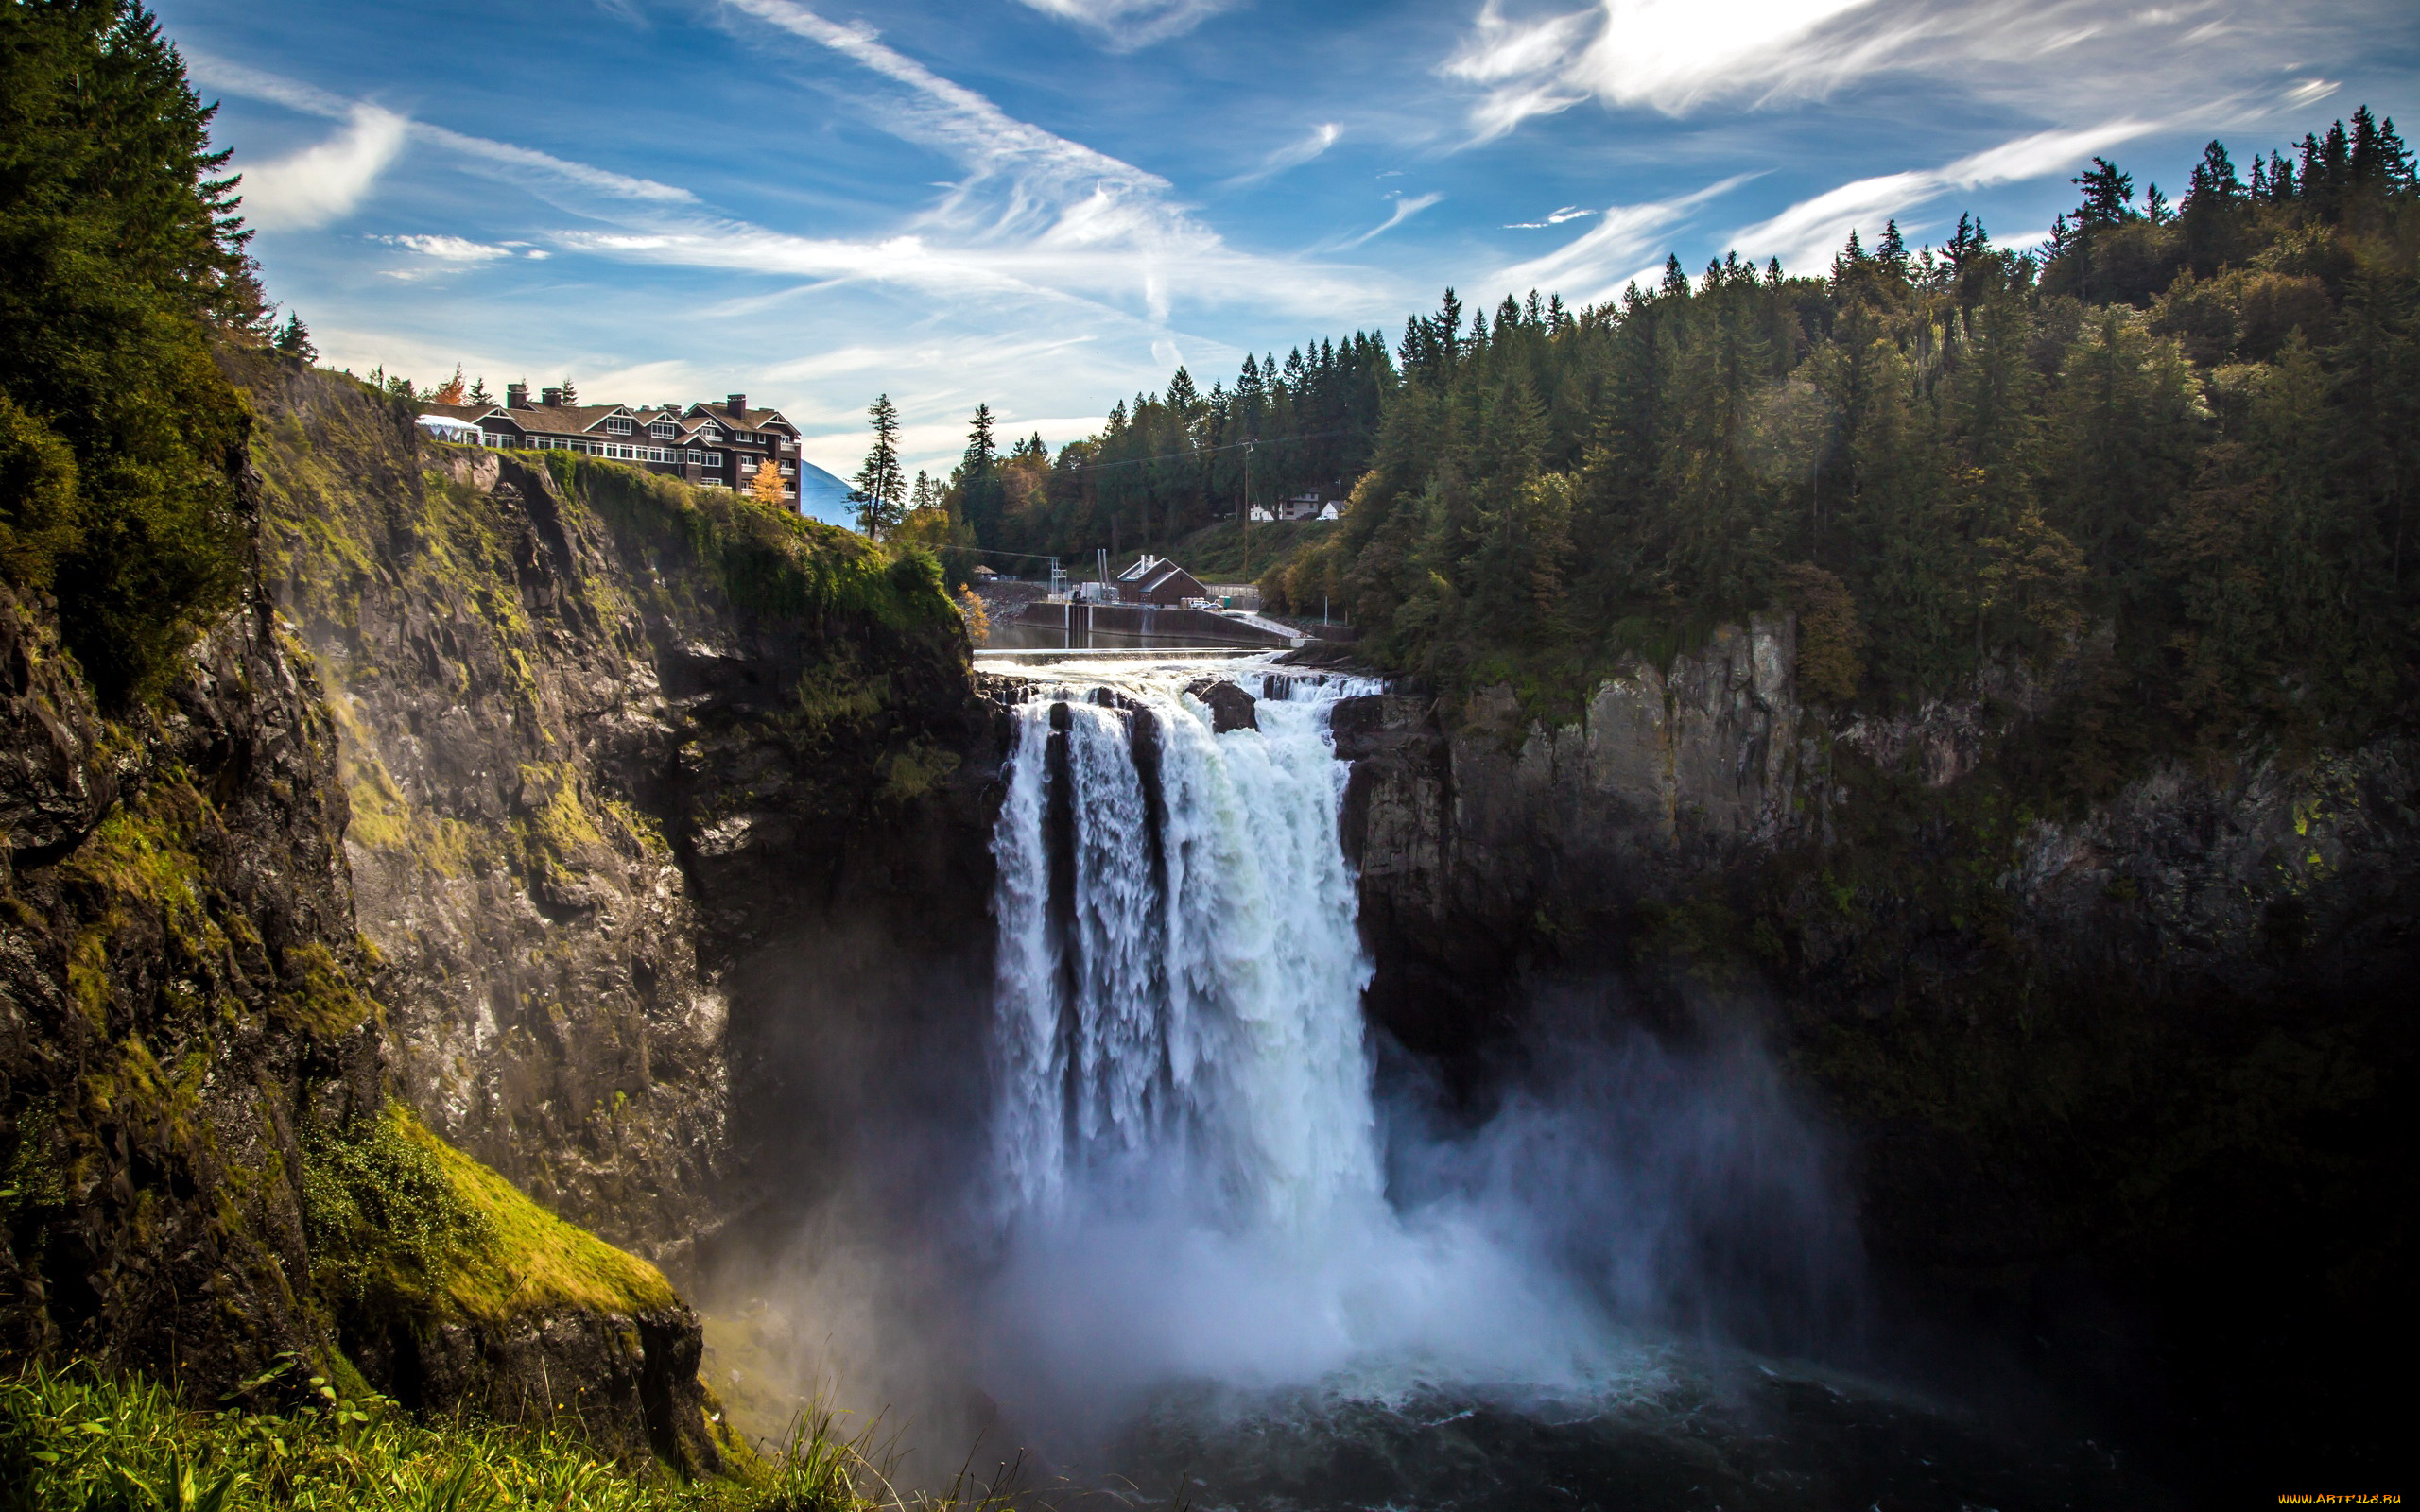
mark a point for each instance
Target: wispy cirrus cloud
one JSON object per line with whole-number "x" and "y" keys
{"x": 1808, "y": 233}
{"x": 1595, "y": 265}
{"x": 1292, "y": 155}
{"x": 1405, "y": 210}
{"x": 1126, "y": 25}
{"x": 520, "y": 162}
{"x": 1034, "y": 213}
{"x": 2054, "y": 58}
{"x": 328, "y": 179}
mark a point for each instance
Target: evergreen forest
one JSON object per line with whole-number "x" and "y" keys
{"x": 2170, "y": 451}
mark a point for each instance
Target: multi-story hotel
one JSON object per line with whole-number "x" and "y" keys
{"x": 714, "y": 444}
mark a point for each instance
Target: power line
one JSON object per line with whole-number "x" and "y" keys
{"x": 1205, "y": 451}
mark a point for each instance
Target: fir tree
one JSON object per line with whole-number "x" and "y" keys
{"x": 878, "y": 491}
{"x": 293, "y": 339}
{"x": 1891, "y": 252}
{"x": 2108, "y": 195}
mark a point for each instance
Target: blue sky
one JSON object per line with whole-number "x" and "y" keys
{"x": 1048, "y": 204}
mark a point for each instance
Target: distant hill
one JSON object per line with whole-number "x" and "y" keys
{"x": 821, "y": 496}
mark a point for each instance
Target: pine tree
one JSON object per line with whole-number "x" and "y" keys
{"x": 878, "y": 491}
{"x": 293, "y": 339}
{"x": 981, "y": 498}
{"x": 1891, "y": 252}
{"x": 571, "y": 395}
{"x": 2108, "y": 195}
{"x": 126, "y": 260}
{"x": 480, "y": 394}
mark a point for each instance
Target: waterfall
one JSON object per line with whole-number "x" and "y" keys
{"x": 1179, "y": 972}
{"x": 1188, "y": 1177}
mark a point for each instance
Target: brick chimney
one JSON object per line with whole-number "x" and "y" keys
{"x": 516, "y": 396}
{"x": 551, "y": 398}
{"x": 737, "y": 404}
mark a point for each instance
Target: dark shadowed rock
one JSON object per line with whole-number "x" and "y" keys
{"x": 1231, "y": 707}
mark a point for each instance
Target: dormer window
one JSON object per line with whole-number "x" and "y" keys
{"x": 709, "y": 433}
{"x": 617, "y": 426}
{"x": 662, "y": 430}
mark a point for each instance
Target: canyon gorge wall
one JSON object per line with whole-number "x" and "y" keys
{"x": 653, "y": 794}
{"x": 2092, "y": 1049}
{"x": 202, "y": 1173}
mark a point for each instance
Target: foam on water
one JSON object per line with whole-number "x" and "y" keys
{"x": 1186, "y": 1149}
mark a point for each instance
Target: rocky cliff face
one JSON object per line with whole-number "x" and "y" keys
{"x": 657, "y": 808}
{"x": 179, "y": 996}
{"x": 1473, "y": 832}
{"x": 201, "y": 1172}
{"x": 188, "y": 1046}
{"x": 2093, "y": 1054}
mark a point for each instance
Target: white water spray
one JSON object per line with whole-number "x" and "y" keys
{"x": 1186, "y": 1148}
{"x": 1181, "y": 998}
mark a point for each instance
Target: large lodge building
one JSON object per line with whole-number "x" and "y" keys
{"x": 713, "y": 444}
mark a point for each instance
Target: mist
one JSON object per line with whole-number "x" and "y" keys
{"x": 1199, "y": 1177}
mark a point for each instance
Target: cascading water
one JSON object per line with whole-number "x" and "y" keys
{"x": 1187, "y": 1154}
{"x": 1222, "y": 1264}
{"x": 1178, "y": 971}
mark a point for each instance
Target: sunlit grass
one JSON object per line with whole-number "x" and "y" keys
{"x": 79, "y": 1441}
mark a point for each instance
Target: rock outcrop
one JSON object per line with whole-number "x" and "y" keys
{"x": 191, "y": 1041}
{"x": 2091, "y": 1049}
{"x": 179, "y": 995}
{"x": 654, "y": 803}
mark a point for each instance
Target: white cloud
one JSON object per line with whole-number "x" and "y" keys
{"x": 1553, "y": 218}
{"x": 323, "y": 182}
{"x": 1292, "y": 155}
{"x": 448, "y": 249}
{"x": 1126, "y": 25}
{"x": 2047, "y": 57}
{"x": 1594, "y": 265}
{"x": 1405, "y": 210}
{"x": 1668, "y": 55}
{"x": 1808, "y": 233}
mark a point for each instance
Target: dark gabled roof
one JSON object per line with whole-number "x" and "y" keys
{"x": 1149, "y": 576}
{"x": 749, "y": 419}
{"x": 565, "y": 419}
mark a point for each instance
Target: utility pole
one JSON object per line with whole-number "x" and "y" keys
{"x": 1247, "y": 448}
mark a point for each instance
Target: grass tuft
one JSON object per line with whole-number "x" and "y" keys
{"x": 76, "y": 1441}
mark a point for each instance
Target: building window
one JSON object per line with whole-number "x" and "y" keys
{"x": 714, "y": 459}
{"x": 661, "y": 429}
{"x": 617, "y": 426}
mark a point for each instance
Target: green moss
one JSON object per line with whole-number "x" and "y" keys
{"x": 529, "y": 1258}
{"x": 317, "y": 994}
{"x": 402, "y": 1222}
